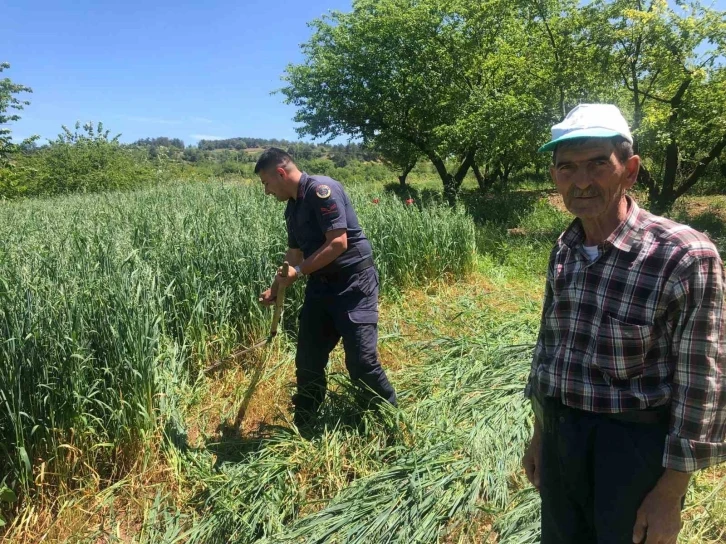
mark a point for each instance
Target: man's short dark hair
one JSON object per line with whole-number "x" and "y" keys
{"x": 623, "y": 148}
{"x": 272, "y": 157}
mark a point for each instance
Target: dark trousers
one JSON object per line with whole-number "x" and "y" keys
{"x": 595, "y": 473}
{"x": 346, "y": 309}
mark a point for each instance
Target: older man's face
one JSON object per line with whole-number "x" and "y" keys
{"x": 591, "y": 178}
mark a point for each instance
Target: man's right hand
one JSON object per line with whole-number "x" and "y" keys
{"x": 267, "y": 298}
{"x": 533, "y": 457}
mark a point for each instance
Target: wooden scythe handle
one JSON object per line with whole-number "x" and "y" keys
{"x": 279, "y": 300}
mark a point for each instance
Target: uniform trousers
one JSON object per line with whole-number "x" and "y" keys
{"x": 347, "y": 308}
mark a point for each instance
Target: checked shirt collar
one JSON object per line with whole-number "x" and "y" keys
{"x": 624, "y": 237}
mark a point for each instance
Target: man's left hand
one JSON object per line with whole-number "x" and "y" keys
{"x": 289, "y": 280}
{"x": 659, "y": 517}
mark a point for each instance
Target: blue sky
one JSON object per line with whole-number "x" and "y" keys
{"x": 156, "y": 68}
{"x": 191, "y": 70}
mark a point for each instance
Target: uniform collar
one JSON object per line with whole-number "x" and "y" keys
{"x": 624, "y": 237}
{"x": 304, "y": 178}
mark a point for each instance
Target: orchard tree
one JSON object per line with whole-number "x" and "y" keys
{"x": 399, "y": 155}
{"x": 670, "y": 65}
{"x": 477, "y": 81}
{"x": 543, "y": 69}
{"x": 402, "y": 72}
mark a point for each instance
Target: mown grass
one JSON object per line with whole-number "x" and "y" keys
{"x": 442, "y": 468}
{"x": 108, "y": 304}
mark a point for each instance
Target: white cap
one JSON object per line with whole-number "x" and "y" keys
{"x": 589, "y": 121}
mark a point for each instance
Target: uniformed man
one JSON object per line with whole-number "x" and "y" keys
{"x": 628, "y": 379}
{"x": 327, "y": 246}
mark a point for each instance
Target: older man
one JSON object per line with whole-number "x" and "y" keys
{"x": 628, "y": 379}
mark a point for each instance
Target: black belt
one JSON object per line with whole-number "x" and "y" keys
{"x": 342, "y": 273}
{"x": 651, "y": 416}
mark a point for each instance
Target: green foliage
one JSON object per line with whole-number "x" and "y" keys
{"x": 376, "y": 70}
{"x": 10, "y": 101}
{"x": 161, "y": 141}
{"x": 670, "y": 63}
{"x": 483, "y": 83}
{"x": 445, "y": 80}
{"x": 399, "y": 155}
{"x": 7, "y": 496}
{"x": 85, "y": 160}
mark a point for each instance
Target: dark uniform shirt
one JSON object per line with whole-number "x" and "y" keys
{"x": 322, "y": 205}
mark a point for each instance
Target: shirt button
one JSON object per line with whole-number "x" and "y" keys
{"x": 562, "y": 419}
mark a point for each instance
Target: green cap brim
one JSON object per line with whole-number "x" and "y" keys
{"x": 575, "y": 134}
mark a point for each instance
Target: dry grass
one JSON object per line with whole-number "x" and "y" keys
{"x": 99, "y": 507}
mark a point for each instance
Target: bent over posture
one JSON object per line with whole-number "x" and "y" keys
{"x": 628, "y": 379}
{"x": 328, "y": 246}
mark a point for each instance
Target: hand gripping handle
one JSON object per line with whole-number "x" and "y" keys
{"x": 279, "y": 300}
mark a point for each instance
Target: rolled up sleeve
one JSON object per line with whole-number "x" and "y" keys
{"x": 697, "y": 434}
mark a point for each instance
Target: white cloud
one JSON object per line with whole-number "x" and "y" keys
{"x": 206, "y": 137}
{"x": 202, "y": 120}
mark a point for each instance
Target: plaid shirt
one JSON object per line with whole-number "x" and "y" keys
{"x": 640, "y": 326}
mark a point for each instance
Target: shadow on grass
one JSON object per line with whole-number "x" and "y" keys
{"x": 709, "y": 221}
{"x": 234, "y": 447}
{"x": 503, "y": 208}
{"x": 346, "y": 408}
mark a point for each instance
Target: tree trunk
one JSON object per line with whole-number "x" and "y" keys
{"x": 667, "y": 194}
{"x": 479, "y": 177}
{"x": 452, "y": 183}
{"x": 406, "y": 171}
{"x": 446, "y": 178}
{"x": 663, "y": 197}
{"x": 466, "y": 163}
{"x": 691, "y": 180}
{"x": 491, "y": 176}
{"x": 506, "y": 173}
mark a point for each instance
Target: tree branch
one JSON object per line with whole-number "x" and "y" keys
{"x": 652, "y": 82}
{"x": 644, "y": 93}
{"x": 701, "y": 168}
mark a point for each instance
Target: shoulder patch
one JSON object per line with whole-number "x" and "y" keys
{"x": 322, "y": 191}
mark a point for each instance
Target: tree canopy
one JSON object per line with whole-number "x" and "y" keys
{"x": 478, "y": 84}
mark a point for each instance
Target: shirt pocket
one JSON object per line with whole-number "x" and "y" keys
{"x": 621, "y": 348}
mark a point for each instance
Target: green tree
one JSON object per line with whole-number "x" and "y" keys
{"x": 399, "y": 155}
{"x": 670, "y": 66}
{"x": 9, "y": 101}
{"x": 510, "y": 116}
{"x": 451, "y": 79}
{"x": 85, "y": 160}
{"x": 403, "y": 70}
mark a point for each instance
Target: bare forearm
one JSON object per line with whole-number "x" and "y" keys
{"x": 325, "y": 255}
{"x": 293, "y": 256}
{"x": 673, "y": 483}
